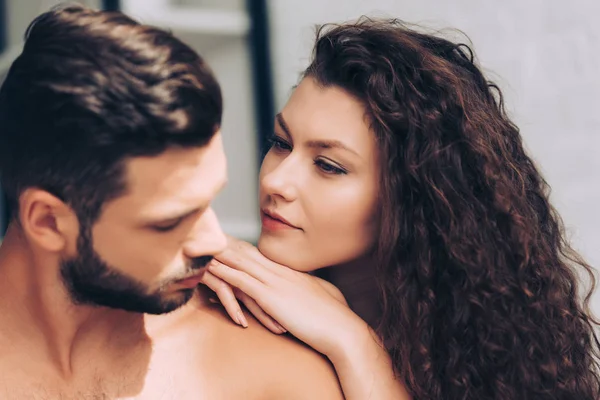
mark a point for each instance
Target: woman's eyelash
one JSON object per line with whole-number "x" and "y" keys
{"x": 279, "y": 143}
{"x": 329, "y": 168}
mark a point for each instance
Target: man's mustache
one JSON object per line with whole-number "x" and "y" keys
{"x": 199, "y": 262}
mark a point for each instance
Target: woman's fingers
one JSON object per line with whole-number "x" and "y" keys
{"x": 245, "y": 257}
{"x": 226, "y": 296}
{"x": 229, "y": 296}
{"x": 245, "y": 282}
{"x": 259, "y": 313}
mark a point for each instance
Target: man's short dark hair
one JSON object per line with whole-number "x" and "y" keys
{"x": 90, "y": 90}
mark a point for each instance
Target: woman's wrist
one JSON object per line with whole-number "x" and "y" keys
{"x": 364, "y": 367}
{"x": 356, "y": 343}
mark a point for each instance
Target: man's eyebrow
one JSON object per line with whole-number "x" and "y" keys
{"x": 176, "y": 215}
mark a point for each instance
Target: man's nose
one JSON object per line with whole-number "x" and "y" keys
{"x": 207, "y": 239}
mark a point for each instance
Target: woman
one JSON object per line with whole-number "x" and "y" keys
{"x": 394, "y": 160}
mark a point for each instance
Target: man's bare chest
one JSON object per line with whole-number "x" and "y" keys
{"x": 165, "y": 375}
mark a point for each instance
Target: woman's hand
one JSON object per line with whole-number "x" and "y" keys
{"x": 229, "y": 298}
{"x": 310, "y": 308}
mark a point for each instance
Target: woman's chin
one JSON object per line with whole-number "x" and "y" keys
{"x": 277, "y": 252}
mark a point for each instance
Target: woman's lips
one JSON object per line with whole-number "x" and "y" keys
{"x": 273, "y": 223}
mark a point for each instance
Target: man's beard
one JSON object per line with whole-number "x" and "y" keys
{"x": 91, "y": 281}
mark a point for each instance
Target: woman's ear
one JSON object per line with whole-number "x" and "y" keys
{"x": 46, "y": 220}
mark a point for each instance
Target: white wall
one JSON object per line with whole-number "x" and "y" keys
{"x": 545, "y": 54}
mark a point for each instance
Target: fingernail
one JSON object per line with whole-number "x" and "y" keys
{"x": 281, "y": 328}
{"x": 213, "y": 300}
{"x": 242, "y": 319}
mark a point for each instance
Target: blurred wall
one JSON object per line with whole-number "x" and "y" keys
{"x": 21, "y": 12}
{"x": 545, "y": 55}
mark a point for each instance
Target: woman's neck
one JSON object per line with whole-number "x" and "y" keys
{"x": 356, "y": 280}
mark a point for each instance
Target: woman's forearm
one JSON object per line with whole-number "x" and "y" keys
{"x": 365, "y": 369}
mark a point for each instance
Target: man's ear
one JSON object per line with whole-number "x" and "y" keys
{"x": 46, "y": 220}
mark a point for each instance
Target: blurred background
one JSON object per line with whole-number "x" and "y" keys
{"x": 545, "y": 55}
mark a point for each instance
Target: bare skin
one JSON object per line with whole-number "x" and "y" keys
{"x": 54, "y": 348}
{"x": 195, "y": 352}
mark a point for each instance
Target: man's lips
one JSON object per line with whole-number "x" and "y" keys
{"x": 190, "y": 282}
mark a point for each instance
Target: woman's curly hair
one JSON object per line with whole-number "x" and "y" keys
{"x": 479, "y": 285}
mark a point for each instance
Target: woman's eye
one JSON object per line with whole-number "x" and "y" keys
{"x": 329, "y": 168}
{"x": 279, "y": 144}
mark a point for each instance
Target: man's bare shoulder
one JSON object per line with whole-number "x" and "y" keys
{"x": 269, "y": 365}
{"x": 300, "y": 371}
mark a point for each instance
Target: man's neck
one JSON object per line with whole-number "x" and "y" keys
{"x": 36, "y": 311}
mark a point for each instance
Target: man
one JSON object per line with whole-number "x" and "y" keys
{"x": 110, "y": 155}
